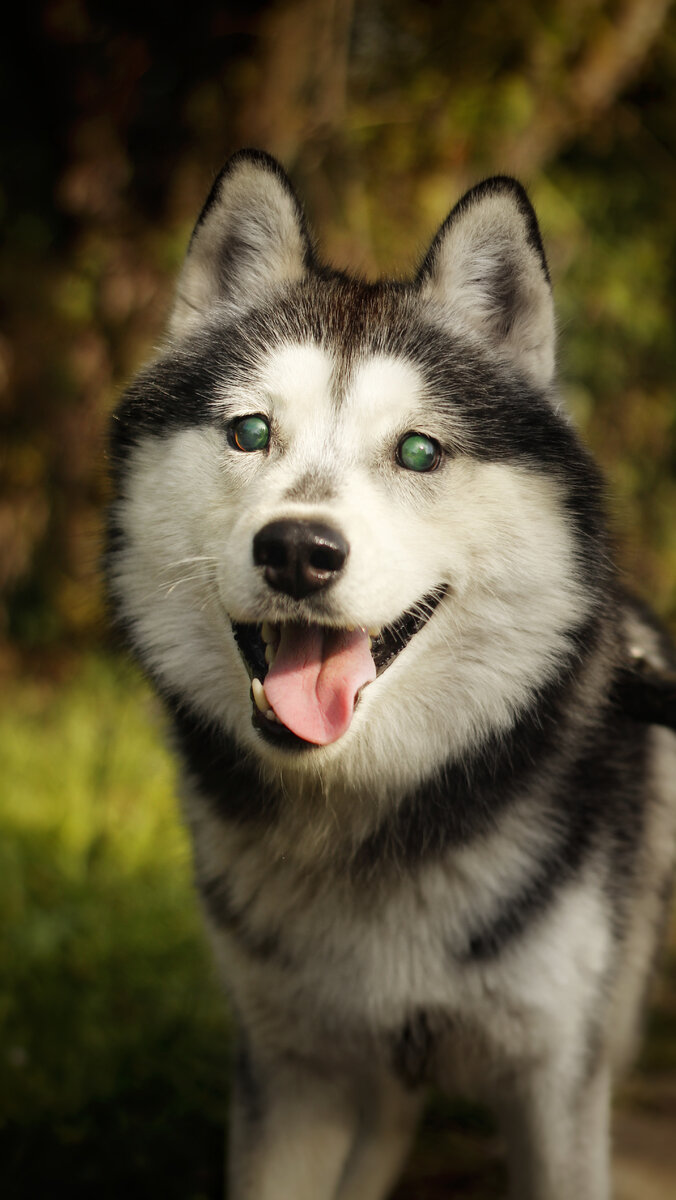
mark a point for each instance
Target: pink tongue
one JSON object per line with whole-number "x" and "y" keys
{"x": 315, "y": 677}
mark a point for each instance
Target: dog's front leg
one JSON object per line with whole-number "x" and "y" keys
{"x": 291, "y": 1131}
{"x": 557, "y": 1127}
{"x": 388, "y": 1118}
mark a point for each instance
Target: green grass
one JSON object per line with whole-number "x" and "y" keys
{"x": 113, "y": 1038}
{"x": 113, "y": 1031}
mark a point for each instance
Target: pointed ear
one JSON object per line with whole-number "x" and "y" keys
{"x": 487, "y": 272}
{"x": 250, "y": 237}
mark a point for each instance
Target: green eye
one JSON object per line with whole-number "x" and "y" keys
{"x": 417, "y": 452}
{"x": 251, "y": 433}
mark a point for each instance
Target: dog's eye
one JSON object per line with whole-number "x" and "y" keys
{"x": 251, "y": 433}
{"x": 416, "y": 452}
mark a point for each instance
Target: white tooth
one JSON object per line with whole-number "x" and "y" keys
{"x": 272, "y": 716}
{"x": 260, "y": 699}
{"x": 270, "y": 654}
{"x": 374, "y": 631}
{"x": 267, "y": 632}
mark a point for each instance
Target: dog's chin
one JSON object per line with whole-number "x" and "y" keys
{"x": 255, "y": 639}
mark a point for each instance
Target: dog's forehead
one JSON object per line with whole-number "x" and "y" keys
{"x": 310, "y": 381}
{"x": 298, "y": 379}
{"x": 385, "y": 386}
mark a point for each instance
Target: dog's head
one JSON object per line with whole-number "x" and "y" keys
{"x": 350, "y": 514}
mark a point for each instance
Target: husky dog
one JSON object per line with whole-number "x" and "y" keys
{"x": 358, "y": 547}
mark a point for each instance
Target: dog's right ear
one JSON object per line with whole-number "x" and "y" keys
{"x": 250, "y": 238}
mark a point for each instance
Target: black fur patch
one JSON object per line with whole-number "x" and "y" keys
{"x": 647, "y": 694}
{"x": 225, "y": 914}
{"x": 412, "y": 1050}
{"x": 462, "y": 800}
{"x": 246, "y": 1081}
{"x": 223, "y": 772}
{"x": 599, "y": 798}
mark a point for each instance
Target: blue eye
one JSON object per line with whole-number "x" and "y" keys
{"x": 416, "y": 452}
{"x": 251, "y": 433}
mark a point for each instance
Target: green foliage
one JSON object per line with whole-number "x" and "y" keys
{"x": 113, "y": 1067}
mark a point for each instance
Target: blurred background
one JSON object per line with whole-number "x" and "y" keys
{"x": 114, "y": 1039}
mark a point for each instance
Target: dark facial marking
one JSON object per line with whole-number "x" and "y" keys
{"x": 314, "y": 487}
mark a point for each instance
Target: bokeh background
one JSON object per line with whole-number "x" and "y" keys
{"x": 116, "y": 116}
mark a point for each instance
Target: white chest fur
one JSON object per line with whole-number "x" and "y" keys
{"x": 332, "y": 958}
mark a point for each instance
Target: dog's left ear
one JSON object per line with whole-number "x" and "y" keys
{"x": 487, "y": 273}
{"x": 249, "y": 239}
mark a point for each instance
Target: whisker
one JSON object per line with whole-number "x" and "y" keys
{"x": 168, "y": 588}
{"x": 190, "y": 561}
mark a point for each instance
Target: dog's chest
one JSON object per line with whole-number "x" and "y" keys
{"x": 338, "y": 960}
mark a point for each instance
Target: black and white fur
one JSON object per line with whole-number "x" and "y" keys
{"x": 467, "y": 887}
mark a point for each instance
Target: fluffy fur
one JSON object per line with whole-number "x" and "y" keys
{"x": 467, "y": 886}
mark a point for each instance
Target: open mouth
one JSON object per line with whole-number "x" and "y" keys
{"x": 306, "y": 679}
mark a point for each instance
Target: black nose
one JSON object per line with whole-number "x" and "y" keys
{"x": 299, "y": 556}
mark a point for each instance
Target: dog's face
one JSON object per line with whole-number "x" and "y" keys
{"x": 349, "y": 515}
